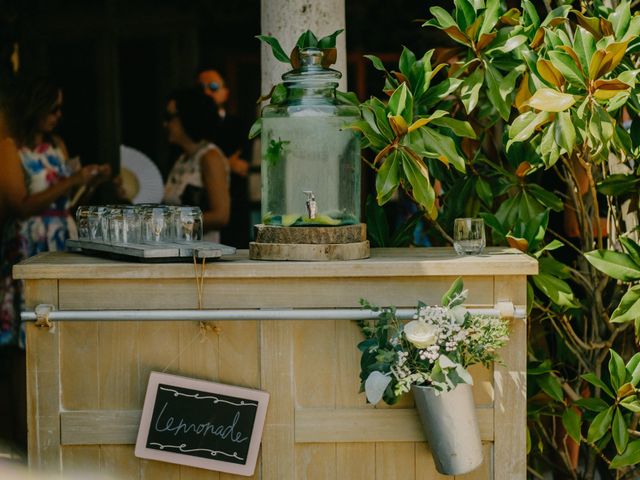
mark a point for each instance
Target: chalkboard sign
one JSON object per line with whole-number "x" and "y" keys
{"x": 201, "y": 424}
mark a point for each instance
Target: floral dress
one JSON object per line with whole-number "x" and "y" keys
{"x": 43, "y": 167}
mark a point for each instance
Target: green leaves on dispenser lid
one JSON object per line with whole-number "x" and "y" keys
{"x": 307, "y": 40}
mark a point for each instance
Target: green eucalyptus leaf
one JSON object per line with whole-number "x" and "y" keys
{"x": 454, "y": 291}
{"x": 629, "y": 308}
{"x": 276, "y": 48}
{"x": 615, "y": 264}
{"x": 388, "y": 177}
{"x": 571, "y": 422}
{"x": 330, "y": 40}
{"x": 631, "y": 456}
{"x": 600, "y": 425}
{"x": 619, "y": 432}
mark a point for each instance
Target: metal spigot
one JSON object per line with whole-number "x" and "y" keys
{"x": 312, "y": 207}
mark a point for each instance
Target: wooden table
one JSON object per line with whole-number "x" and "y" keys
{"x": 87, "y": 380}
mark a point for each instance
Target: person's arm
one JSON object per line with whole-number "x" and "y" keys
{"x": 214, "y": 180}
{"x": 23, "y": 205}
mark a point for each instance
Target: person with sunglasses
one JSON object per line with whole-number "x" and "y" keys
{"x": 200, "y": 176}
{"x": 232, "y": 139}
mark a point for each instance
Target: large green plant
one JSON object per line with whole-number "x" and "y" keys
{"x": 553, "y": 169}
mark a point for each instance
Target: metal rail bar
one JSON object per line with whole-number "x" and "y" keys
{"x": 46, "y": 312}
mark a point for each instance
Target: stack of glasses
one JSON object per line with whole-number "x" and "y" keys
{"x": 147, "y": 223}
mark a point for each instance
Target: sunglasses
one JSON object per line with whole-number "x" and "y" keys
{"x": 214, "y": 86}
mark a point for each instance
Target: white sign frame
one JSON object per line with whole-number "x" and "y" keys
{"x": 157, "y": 378}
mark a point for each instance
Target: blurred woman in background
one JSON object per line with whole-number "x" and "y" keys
{"x": 200, "y": 176}
{"x": 36, "y": 185}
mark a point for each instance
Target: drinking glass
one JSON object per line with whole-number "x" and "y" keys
{"x": 124, "y": 225}
{"x": 187, "y": 224}
{"x": 468, "y": 236}
{"x": 82, "y": 222}
{"x": 156, "y": 221}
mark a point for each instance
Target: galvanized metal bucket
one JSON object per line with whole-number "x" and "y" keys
{"x": 451, "y": 428}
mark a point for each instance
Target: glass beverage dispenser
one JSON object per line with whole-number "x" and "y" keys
{"x": 310, "y": 161}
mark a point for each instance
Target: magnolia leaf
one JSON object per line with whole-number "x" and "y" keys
{"x": 485, "y": 40}
{"x": 494, "y": 81}
{"x": 615, "y": 264}
{"x": 551, "y": 386}
{"x": 511, "y": 44}
{"x": 594, "y": 380}
{"x": 457, "y": 35}
{"x": 617, "y": 370}
{"x": 620, "y": 19}
{"x": 307, "y": 40}
{"x": 632, "y": 248}
{"x": 375, "y": 385}
{"x": 550, "y": 73}
{"x": 444, "y": 147}
{"x": 591, "y": 24}
{"x": 600, "y": 425}
{"x": 443, "y": 17}
{"x": 631, "y": 456}
{"x": 549, "y": 100}
{"x": 377, "y": 63}
{"x": 255, "y": 129}
{"x": 596, "y": 68}
{"x": 276, "y": 48}
{"x": 591, "y": 404}
{"x": 418, "y": 176}
{"x": 387, "y": 179}
{"x": 491, "y": 15}
{"x": 557, "y": 290}
{"x": 465, "y": 14}
{"x": 619, "y": 432}
{"x": 398, "y": 125}
{"x": 523, "y": 94}
{"x": 629, "y": 308}
{"x": 526, "y": 124}
{"x": 606, "y": 89}
{"x": 401, "y": 103}
{"x": 330, "y": 40}
{"x": 407, "y": 59}
{"x": 459, "y": 127}
{"x": 568, "y": 67}
{"x": 564, "y": 131}
{"x": 571, "y": 422}
{"x": 585, "y": 47}
{"x": 518, "y": 243}
{"x": 470, "y": 90}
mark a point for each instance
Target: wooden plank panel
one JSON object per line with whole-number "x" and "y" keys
{"x": 99, "y": 427}
{"x": 425, "y": 465}
{"x": 395, "y": 461}
{"x": 510, "y": 383}
{"x": 239, "y": 363}
{"x": 118, "y": 372}
{"x": 283, "y": 293}
{"x": 355, "y": 461}
{"x": 43, "y": 382}
{"x": 199, "y": 358}
{"x": 482, "y": 385}
{"x": 316, "y": 461}
{"x": 276, "y": 359}
{"x": 80, "y": 459}
{"x": 348, "y": 336}
{"x": 370, "y": 425}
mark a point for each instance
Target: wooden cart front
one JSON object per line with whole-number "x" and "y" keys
{"x": 87, "y": 379}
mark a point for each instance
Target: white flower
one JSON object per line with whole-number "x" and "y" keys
{"x": 420, "y": 333}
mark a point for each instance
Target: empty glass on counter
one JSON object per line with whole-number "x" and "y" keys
{"x": 468, "y": 236}
{"x": 145, "y": 223}
{"x": 123, "y": 225}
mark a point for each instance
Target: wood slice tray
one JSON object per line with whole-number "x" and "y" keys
{"x": 152, "y": 252}
{"x": 316, "y": 234}
{"x": 311, "y": 252}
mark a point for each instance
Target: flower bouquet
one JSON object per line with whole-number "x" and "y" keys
{"x": 429, "y": 355}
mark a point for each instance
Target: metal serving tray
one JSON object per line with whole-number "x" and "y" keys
{"x": 152, "y": 252}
